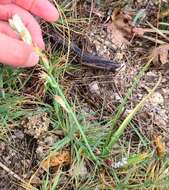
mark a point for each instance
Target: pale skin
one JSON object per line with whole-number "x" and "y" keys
{"x": 13, "y": 51}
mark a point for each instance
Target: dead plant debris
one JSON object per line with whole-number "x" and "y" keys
{"x": 160, "y": 54}
{"x": 160, "y": 146}
{"x": 56, "y": 160}
{"x": 95, "y": 95}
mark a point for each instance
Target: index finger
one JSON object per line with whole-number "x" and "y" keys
{"x": 42, "y": 8}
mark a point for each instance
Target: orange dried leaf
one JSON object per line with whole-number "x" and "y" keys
{"x": 56, "y": 160}
{"x": 160, "y": 146}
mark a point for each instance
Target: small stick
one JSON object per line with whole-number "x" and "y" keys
{"x": 13, "y": 174}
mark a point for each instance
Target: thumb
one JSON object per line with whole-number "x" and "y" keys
{"x": 16, "y": 53}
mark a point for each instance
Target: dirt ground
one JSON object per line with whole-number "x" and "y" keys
{"x": 99, "y": 92}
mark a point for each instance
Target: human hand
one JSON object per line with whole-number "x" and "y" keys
{"x": 13, "y": 51}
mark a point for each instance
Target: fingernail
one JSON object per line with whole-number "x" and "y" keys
{"x": 32, "y": 60}
{"x": 40, "y": 43}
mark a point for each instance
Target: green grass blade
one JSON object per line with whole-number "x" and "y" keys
{"x": 127, "y": 120}
{"x": 121, "y": 107}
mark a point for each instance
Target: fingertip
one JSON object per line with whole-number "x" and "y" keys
{"x": 46, "y": 10}
{"x": 42, "y": 46}
{"x": 33, "y": 59}
{"x": 17, "y": 54}
{"x": 53, "y": 16}
{"x": 39, "y": 43}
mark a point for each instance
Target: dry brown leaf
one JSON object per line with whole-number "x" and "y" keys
{"x": 118, "y": 38}
{"x": 122, "y": 21}
{"x": 160, "y": 146}
{"x": 56, "y": 160}
{"x": 120, "y": 28}
{"x": 138, "y": 31}
{"x": 160, "y": 53}
{"x": 36, "y": 180}
{"x": 60, "y": 101}
{"x": 141, "y": 31}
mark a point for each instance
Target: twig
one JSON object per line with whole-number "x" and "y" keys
{"x": 13, "y": 174}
